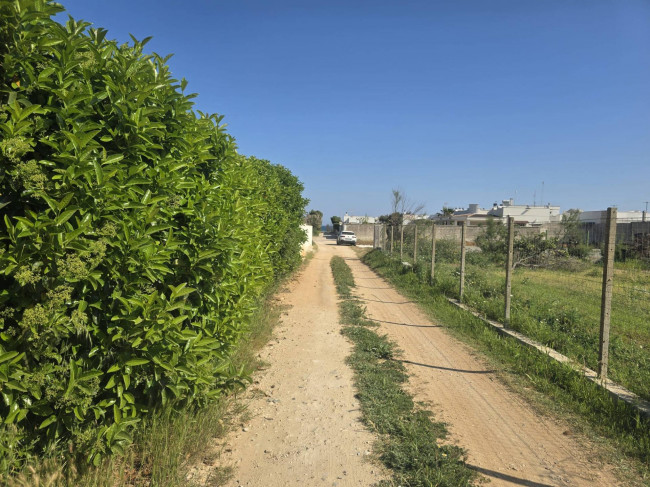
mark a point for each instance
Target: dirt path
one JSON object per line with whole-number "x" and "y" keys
{"x": 506, "y": 440}
{"x": 305, "y": 429}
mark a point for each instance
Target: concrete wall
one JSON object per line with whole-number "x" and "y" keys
{"x": 452, "y": 232}
{"x": 593, "y": 233}
{"x": 365, "y": 232}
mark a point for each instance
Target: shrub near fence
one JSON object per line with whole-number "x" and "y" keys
{"x": 134, "y": 244}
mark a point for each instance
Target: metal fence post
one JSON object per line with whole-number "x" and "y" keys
{"x": 606, "y": 301}
{"x": 415, "y": 244}
{"x": 462, "y": 261}
{"x": 433, "y": 251}
{"x": 509, "y": 259}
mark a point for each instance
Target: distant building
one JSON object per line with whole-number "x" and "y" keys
{"x": 410, "y": 217}
{"x": 358, "y": 219}
{"x": 472, "y": 216}
{"x": 600, "y": 216}
{"x": 524, "y": 215}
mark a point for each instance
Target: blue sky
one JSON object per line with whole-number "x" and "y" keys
{"x": 469, "y": 101}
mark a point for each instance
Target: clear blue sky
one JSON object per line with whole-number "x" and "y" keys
{"x": 454, "y": 102}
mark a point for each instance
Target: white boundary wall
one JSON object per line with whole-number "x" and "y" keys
{"x": 306, "y": 246}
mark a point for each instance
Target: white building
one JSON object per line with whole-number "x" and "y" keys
{"x": 524, "y": 215}
{"x": 408, "y": 218}
{"x": 358, "y": 219}
{"x": 600, "y": 216}
{"x": 472, "y": 216}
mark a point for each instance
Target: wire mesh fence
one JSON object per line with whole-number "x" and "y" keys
{"x": 557, "y": 286}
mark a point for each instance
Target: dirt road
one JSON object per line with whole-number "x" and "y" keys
{"x": 506, "y": 440}
{"x": 305, "y": 427}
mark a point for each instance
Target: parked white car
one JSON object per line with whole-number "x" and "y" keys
{"x": 346, "y": 237}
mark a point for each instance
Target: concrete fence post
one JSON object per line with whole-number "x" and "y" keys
{"x": 462, "y": 262}
{"x": 401, "y": 242}
{"x": 433, "y": 251}
{"x": 509, "y": 259}
{"x": 606, "y": 299}
{"x": 392, "y": 230}
{"x": 415, "y": 244}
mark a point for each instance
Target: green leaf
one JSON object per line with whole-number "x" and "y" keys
{"x": 7, "y": 356}
{"x": 136, "y": 361}
{"x": 99, "y": 174}
{"x": 113, "y": 159}
{"x": 64, "y": 217}
{"x": 47, "y": 422}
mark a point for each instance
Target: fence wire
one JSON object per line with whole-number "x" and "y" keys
{"x": 557, "y": 288}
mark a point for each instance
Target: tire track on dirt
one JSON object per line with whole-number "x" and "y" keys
{"x": 506, "y": 440}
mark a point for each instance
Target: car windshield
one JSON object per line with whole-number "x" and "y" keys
{"x": 348, "y": 233}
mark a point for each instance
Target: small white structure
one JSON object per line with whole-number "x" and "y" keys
{"x": 307, "y": 245}
{"x": 408, "y": 218}
{"x": 358, "y": 219}
{"x": 524, "y": 215}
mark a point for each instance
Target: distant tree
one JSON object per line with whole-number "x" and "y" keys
{"x": 493, "y": 238}
{"x": 394, "y": 219}
{"x": 336, "y": 223}
{"x": 571, "y": 232}
{"x": 400, "y": 203}
{"x": 315, "y": 219}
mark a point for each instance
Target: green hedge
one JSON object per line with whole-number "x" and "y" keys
{"x": 135, "y": 239}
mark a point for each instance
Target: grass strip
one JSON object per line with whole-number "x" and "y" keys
{"x": 409, "y": 437}
{"x": 591, "y": 408}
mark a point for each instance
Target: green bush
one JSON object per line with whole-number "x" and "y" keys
{"x": 580, "y": 251}
{"x": 135, "y": 242}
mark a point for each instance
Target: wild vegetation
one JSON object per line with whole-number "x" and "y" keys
{"x": 315, "y": 219}
{"x": 408, "y": 445}
{"x": 135, "y": 244}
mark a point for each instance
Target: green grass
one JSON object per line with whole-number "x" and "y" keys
{"x": 565, "y": 390}
{"x": 561, "y": 309}
{"x": 558, "y": 307}
{"x": 409, "y": 436}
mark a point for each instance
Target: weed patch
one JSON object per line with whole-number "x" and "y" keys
{"x": 409, "y": 435}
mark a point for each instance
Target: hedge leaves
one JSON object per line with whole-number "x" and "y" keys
{"x": 134, "y": 239}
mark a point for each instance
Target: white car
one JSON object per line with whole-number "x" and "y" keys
{"x": 346, "y": 238}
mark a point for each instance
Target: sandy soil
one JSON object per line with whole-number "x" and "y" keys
{"x": 506, "y": 440}
{"x": 304, "y": 427}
